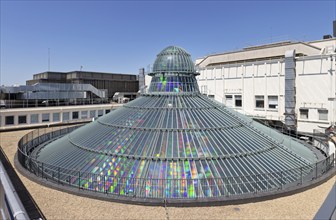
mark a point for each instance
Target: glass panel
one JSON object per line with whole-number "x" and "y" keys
{"x": 273, "y": 102}
{"x": 66, "y": 116}
{"x": 45, "y": 117}
{"x": 56, "y": 116}
{"x": 323, "y": 114}
{"x": 92, "y": 113}
{"x": 34, "y": 118}
{"x": 228, "y": 100}
{"x": 84, "y": 114}
{"x": 259, "y": 101}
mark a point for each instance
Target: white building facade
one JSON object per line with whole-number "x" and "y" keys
{"x": 257, "y": 81}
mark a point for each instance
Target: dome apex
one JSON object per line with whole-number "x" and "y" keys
{"x": 173, "y": 59}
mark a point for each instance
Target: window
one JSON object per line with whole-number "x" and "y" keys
{"x": 100, "y": 113}
{"x": 45, "y": 117}
{"x": 259, "y": 100}
{"x": 107, "y": 111}
{"x": 238, "y": 101}
{"x": 34, "y": 118}
{"x": 92, "y": 113}
{"x": 56, "y": 116}
{"x": 75, "y": 115}
{"x": 304, "y": 113}
{"x": 66, "y": 116}
{"x": 323, "y": 114}
{"x": 9, "y": 120}
{"x": 22, "y": 119}
{"x": 228, "y": 100}
{"x": 84, "y": 114}
{"x": 273, "y": 102}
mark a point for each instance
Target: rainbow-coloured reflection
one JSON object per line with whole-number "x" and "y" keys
{"x": 170, "y": 179}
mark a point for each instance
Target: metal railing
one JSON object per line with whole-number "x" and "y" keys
{"x": 161, "y": 188}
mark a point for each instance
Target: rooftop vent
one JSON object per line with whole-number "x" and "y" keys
{"x": 328, "y": 36}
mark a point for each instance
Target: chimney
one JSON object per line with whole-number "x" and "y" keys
{"x": 334, "y": 28}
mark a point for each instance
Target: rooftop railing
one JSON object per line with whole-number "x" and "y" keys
{"x": 222, "y": 187}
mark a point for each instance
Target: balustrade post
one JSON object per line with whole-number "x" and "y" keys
{"x": 38, "y": 168}
{"x": 104, "y": 184}
{"x": 118, "y": 186}
{"x": 42, "y": 170}
{"x": 224, "y": 182}
{"x": 255, "y": 183}
{"x": 301, "y": 177}
{"x": 59, "y": 175}
{"x": 79, "y": 177}
{"x": 281, "y": 179}
{"x": 199, "y": 188}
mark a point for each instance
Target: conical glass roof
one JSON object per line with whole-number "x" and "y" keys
{"x": 184, "y": 144}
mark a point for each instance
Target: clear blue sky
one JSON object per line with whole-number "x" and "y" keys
{"x": 123, "y": 36}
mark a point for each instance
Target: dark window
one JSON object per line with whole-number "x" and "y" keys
{"x": 304, "y": 113}
{"x": 238, "y": 101}
{"x": 9, "y": 120}
{"x": 23, "y": 119}
{"x": 107, "y": 111}
{"x": 75, "y": 115}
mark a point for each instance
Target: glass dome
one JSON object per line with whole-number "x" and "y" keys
{"x": 174, "y": 143}
{"x": 173, "y": 59}
{"x": 173, "y": 72}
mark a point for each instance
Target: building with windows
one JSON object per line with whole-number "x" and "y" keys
{"x": 52, "y": 98}
{"x": 112, "y": 82}
{"x": 23, "y": 118}
{"x": 50, "y": 94}
{"x": 286, "y": 84}
{"x": 173, "y": 145}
